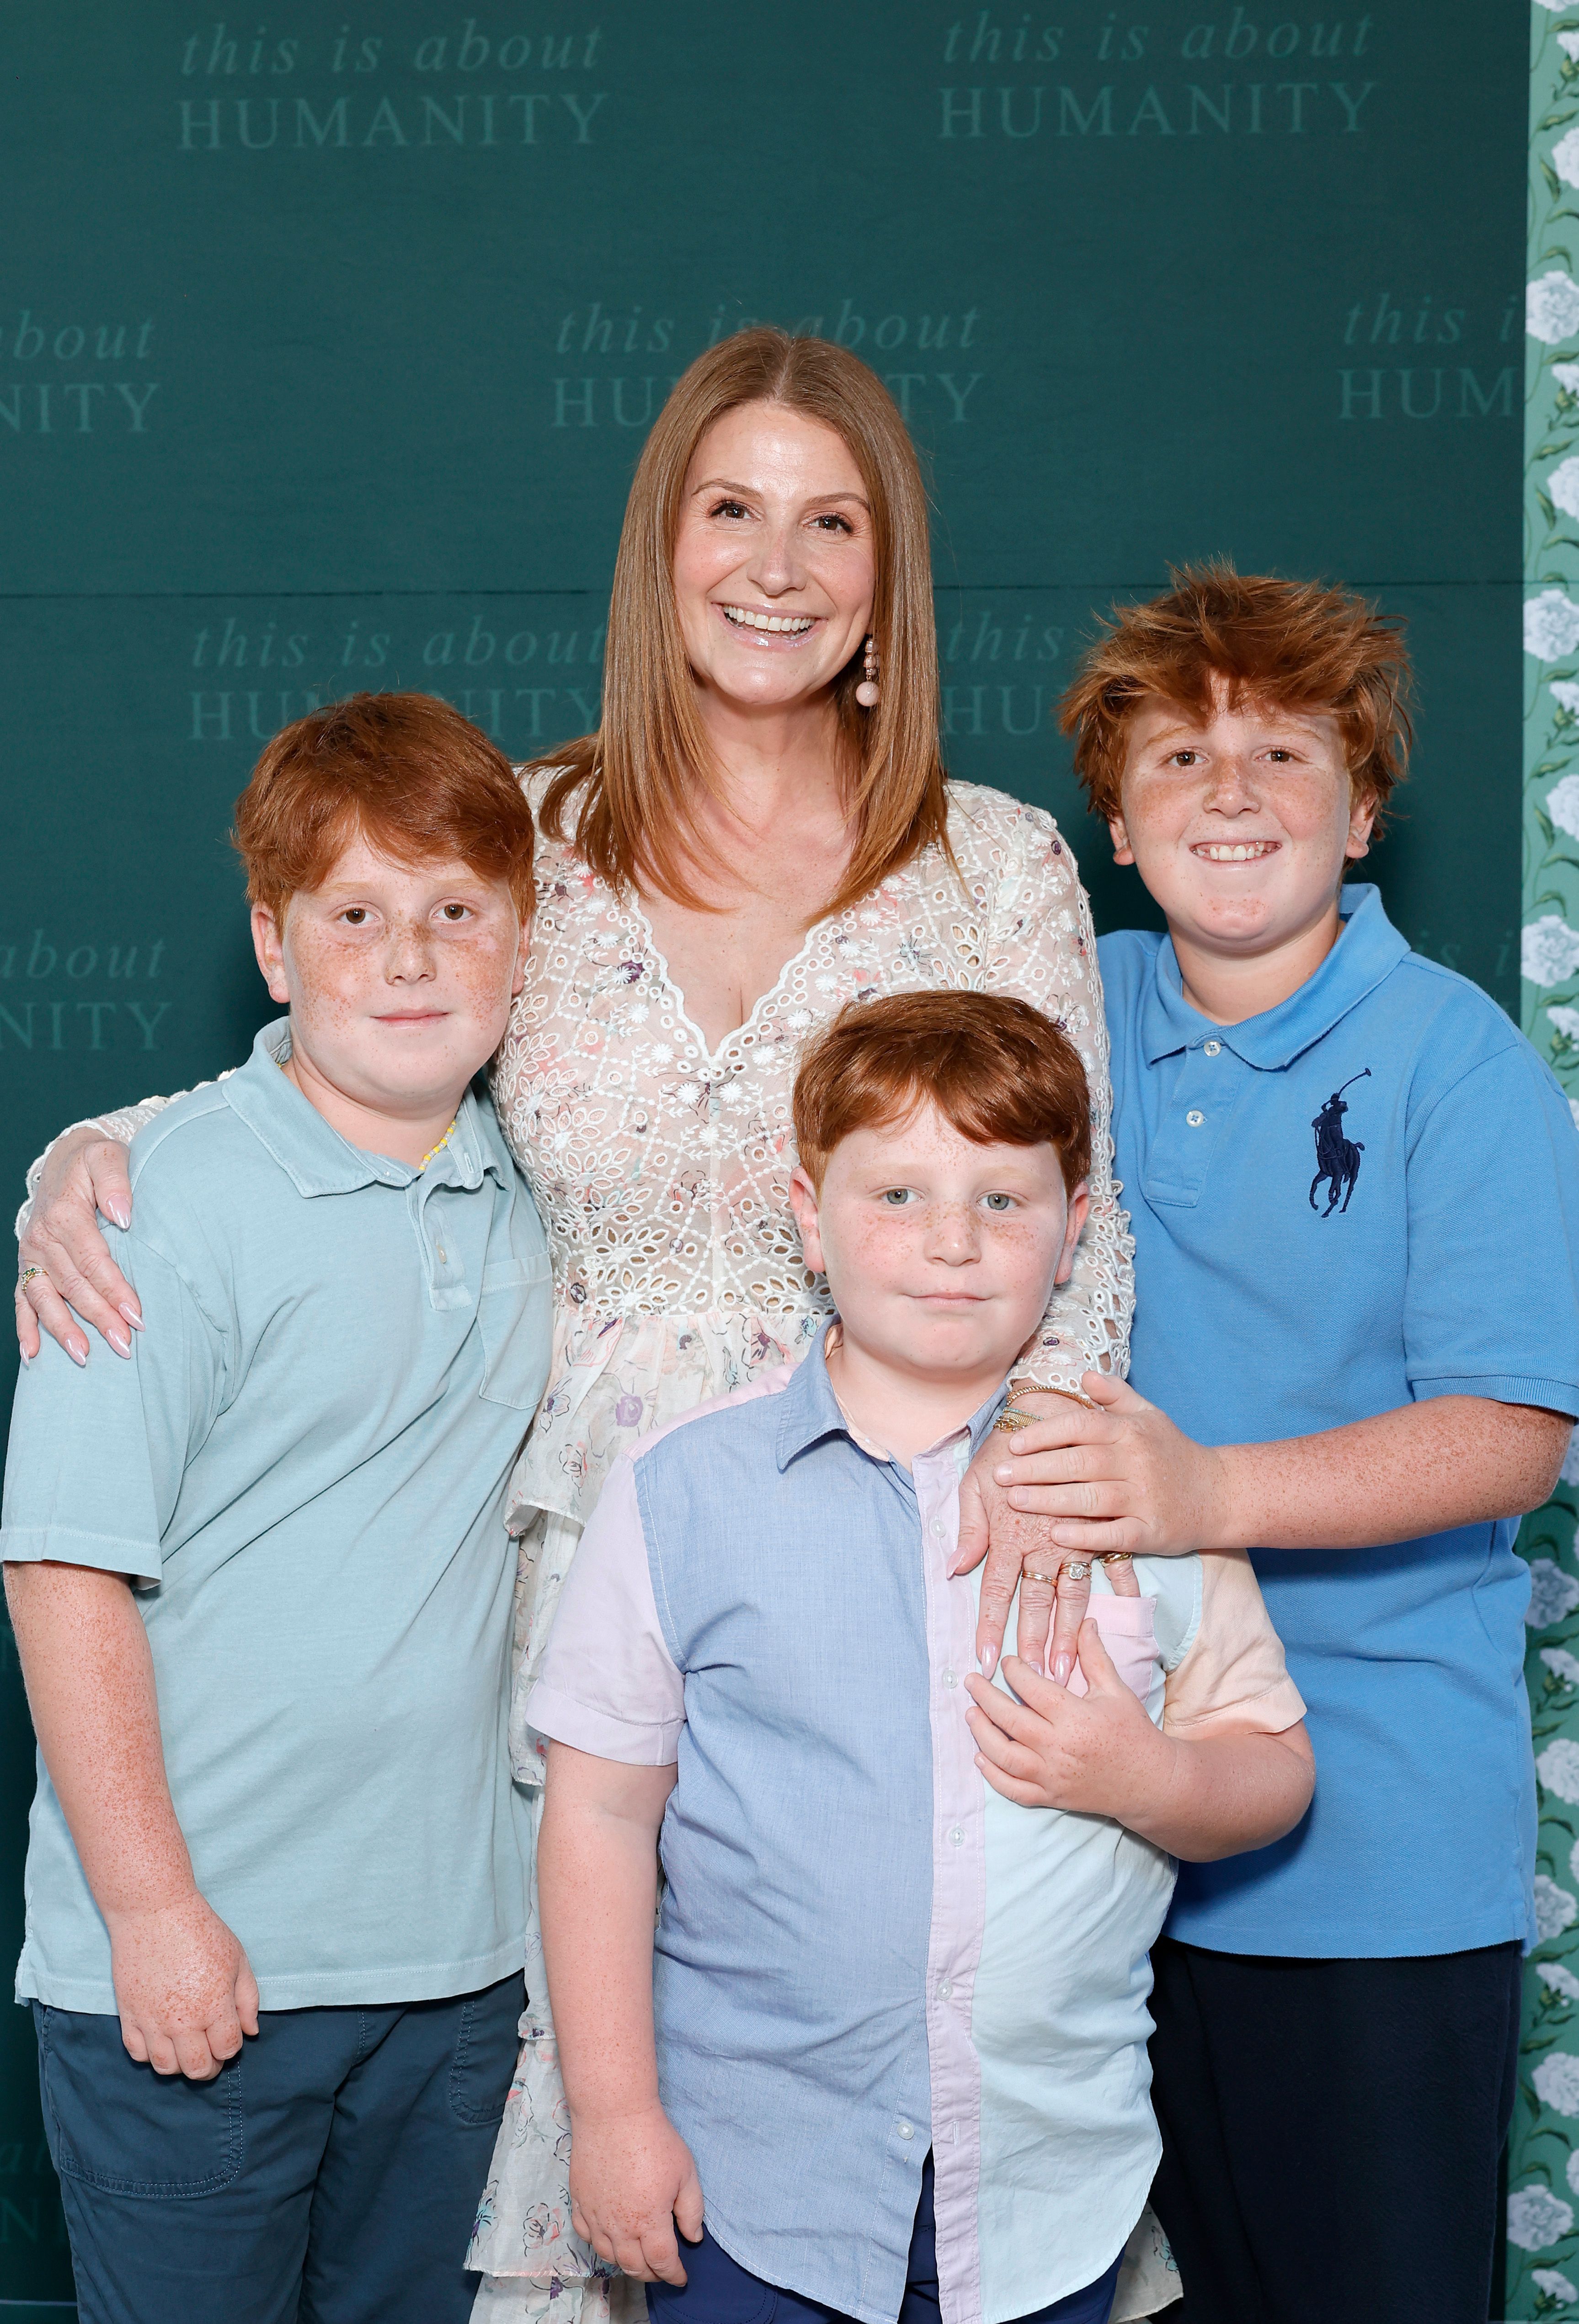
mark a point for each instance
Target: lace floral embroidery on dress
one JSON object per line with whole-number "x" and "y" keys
{"x": 661, "y": 1168}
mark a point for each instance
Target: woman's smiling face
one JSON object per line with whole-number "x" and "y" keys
{"x": 774, "y": 563}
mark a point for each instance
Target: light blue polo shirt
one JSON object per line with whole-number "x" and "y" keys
{"x": 304, "y": 1463}
{"x": 1367, "y": 1196}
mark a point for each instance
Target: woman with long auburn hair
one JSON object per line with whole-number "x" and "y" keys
{"x": 760, "y": 830}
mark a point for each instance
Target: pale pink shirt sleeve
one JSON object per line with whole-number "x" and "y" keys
{"x": 607, "y": 1683}
{"x": 1232, "y": 1678}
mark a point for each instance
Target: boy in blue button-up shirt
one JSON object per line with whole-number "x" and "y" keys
{"x": 261, "y": 1589}
{"x": 1354, "y": 1192}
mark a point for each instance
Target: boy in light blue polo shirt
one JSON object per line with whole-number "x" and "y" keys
{"x": 1354, "y": 1192}
{"x": 273, "y": 1797}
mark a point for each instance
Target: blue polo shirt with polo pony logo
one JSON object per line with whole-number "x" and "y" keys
{"x": 1367, "y": 1196}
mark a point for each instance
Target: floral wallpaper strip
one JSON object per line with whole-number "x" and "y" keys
{"x": 1542, "y": 2175}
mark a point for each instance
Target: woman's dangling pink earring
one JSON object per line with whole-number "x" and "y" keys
{"x": 868, "y": 694}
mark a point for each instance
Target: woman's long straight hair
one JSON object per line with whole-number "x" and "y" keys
{"x": 633, "y": 783}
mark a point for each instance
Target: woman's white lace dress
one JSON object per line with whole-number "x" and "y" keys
{"x": 661, "y": 1168}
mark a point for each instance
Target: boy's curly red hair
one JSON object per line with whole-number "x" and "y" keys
{"x": 405, "y": 770}
{"x": 1292, "y": 645}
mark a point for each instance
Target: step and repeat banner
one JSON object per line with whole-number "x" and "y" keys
{"x": 328, "y": 343}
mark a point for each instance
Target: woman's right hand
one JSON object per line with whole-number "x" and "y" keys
{"x": 84, "y": 1172}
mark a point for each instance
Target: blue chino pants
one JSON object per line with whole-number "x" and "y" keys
{"x": 328, "y": 2175}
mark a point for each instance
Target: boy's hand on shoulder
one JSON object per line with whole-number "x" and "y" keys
{"x": 183, "y": 1986}
{"x": 1122, "y": 1476}
{"x": 632, "y": 2180}
{"x": 1096, "y": 1754}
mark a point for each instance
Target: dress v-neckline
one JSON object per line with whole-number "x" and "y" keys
{"x": 634, "y": 910}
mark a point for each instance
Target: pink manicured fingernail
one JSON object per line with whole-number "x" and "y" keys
{"x": 120, "y": 1342}
{"x": 122, "y": 1217}
{"x": 78, "y": 1355}
{"x": 132, "y": 1317}
{"x": 988, "y": 1661}
{"x": 1062, "y": 1666}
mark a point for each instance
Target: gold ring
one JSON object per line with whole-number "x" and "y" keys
{"x": 1010, "y": 1421}
{"x": 1078, "y": 1570}
{"x": 1115, "y": 1557}
{"x": 1028, "y": 1576}
{"x": 26, "y": 1276}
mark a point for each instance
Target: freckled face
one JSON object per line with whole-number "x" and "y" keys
{"x": 774, "y": 563}
{"x": 399, "y": 980}
{"x": 1241, "y": 825}
{"x": 940, "y": 1254}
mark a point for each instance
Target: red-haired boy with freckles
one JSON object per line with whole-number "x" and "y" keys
{"x": 1355, "y": 1192}
{"x": 261, "y": 1589}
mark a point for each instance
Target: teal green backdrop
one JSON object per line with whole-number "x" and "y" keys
{"x": 327, "y": 344}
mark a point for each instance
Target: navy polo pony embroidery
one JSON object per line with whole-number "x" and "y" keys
{"x": 1337, "y": 1157}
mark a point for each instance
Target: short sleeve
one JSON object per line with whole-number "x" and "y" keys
{"x": 607, "y": 1683}
{"x": 96, "y": 1455}
{"x": 1492, "y": 1300}
{"x": 1232, "y": 1678}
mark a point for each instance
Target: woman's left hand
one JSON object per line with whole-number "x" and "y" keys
{"x": 1021, "y": 1554}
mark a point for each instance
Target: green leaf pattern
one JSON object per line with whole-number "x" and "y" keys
{"x": 1543, "y": 2176}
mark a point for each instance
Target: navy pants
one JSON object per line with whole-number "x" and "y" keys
{"x": 328, "y": 2174}
{"x": 1331, "y": 2131}
{"x": 718, "y": 2291}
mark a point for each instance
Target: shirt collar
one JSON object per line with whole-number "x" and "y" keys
{"x": 1367, "y": 950}
{"x": 808, "y": 1412}
{"x": 318, "y": 1161}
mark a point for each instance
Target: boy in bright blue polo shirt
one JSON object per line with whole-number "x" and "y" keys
{"x": 1354, "y": 1192}
{"x": 274, "y": 1798}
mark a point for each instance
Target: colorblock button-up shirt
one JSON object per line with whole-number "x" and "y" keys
{"x": 1365, "y": 1197}
{"x": 864, "y": 1952}
{"x": 304, "y": 1464}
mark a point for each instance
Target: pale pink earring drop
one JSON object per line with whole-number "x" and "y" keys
{"x": 868, "y": 693}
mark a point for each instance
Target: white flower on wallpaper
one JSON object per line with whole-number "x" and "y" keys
{"x": 1559, "y": 1979}
{"x": 1562, "y": 484}
{"x": 1558, "y": 1769}
{"x": 1557, "y": 2082}
{"x": 1551, "y": 308}
{"x": 1564, "y": 1666}
{"x": 1567, "y": 1020}
{"x": 1552, "y": 1593}
{"x": 1569, "y": 44}
{"x": 1561, "y": 801}
{"x": 1553, "y": 2284}
{"x": 1551, "y": 625}
{"x": 1565, "y": 157}
{"x": 1564, "y": 692}
{"x": 1569, "y": 1471}
{"x": 1537, "y": 2218}
{"x": 1555, "y": 1909}
{"x": 1548, "y": 950}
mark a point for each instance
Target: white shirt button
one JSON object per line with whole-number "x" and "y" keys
{"x": 956, "y": 1836}
{"x": 949, "y": 1679}
{"x": 938, "y": 1528}
{"x": 1195, "y": 1117}
{"x": 1214, "y": 1048}
{"x": 907, "y": 2130}
{"x": 443, "y": 1256}
{"x": 945, "y": 1991}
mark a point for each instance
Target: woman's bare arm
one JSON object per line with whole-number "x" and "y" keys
{"x": 82, "y": 1173}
